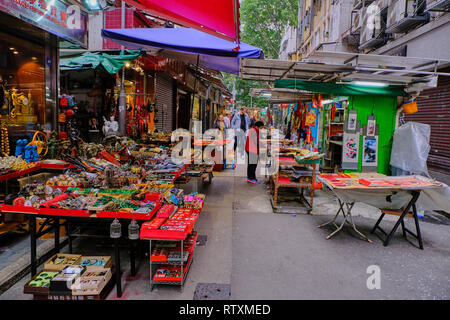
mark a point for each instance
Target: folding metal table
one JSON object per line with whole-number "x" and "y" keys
{"x": 349, "y": 201}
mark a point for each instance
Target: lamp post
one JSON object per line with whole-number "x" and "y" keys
{"x": 122, "y": 94}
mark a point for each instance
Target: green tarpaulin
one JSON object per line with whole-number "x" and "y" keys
{"x": 340, "y": 89}
{"x": 92, "y": 60}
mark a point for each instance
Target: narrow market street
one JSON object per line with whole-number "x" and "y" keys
{"x": 257, "y": 254}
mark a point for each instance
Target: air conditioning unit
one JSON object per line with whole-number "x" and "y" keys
{"x": 373, "y": 26}
{"x": 370, "y": 25}
{"x": 399, "y": 9}
{"x": 404, "y": 15}
{"x": 438, "y": 5}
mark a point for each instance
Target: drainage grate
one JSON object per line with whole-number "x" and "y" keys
{"x": 201, "y": 240}
{"x": 212, "y": 291}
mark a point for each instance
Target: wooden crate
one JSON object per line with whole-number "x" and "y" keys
{"x": 50, "y": 266}
{"x": 107, "y": 264}
{"x": 39, "y": 178}
{"x": 101, "y": 275}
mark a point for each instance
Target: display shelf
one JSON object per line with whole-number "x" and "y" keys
{"x": 185, "y": 245}
{"x": 170, "y": 263}
{"x": 275, "y": 182}
{"x": 173, "y": 280}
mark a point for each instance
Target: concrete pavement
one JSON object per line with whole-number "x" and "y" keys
{"x": 263, "y": 255}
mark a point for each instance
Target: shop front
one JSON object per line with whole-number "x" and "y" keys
{"x": 31, "y": 33}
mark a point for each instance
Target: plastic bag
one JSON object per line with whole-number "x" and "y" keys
{"x": 410, "y": 148}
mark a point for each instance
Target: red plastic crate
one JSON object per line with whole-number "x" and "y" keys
{"x": 185, "y": 269}
{"x": 165, "y": 211}
{"x": 163, "y": 234}
{"x": 129, "y": 215}
{"x": 64, "y": 212}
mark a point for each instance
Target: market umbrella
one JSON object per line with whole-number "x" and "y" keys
{"x": 92, "y": 60}
{"x": 187, "y": 45}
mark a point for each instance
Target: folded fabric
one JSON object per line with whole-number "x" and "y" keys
{"x": 283, "y": 180}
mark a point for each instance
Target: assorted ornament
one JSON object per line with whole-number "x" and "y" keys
{"x": 4, "y": 143}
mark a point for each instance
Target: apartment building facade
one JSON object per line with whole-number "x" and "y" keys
{"x": 411, "y": 28}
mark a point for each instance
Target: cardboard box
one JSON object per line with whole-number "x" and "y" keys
{"x": 57, "y": 262}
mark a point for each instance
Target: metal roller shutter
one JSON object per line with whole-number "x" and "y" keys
{"x": 434, "y": 109}
{"x": 164, "y": 104}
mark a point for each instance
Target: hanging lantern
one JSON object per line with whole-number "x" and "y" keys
{"x": 70, "y": 113}
{"x": 115, "y": 229}
{"x": 133, "y": 230}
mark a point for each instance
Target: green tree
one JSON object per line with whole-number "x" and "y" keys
{"x": 242, "y": 88}
{"x": 262, "y": 25}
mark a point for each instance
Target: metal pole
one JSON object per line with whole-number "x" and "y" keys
{"x": 193, "y": 96}
{"x": 122, "y": 95}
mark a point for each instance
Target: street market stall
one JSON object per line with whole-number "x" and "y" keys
{"x": 108, "y": 191}
{"x": 390, "y": 194}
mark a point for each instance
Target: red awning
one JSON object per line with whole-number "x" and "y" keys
{"x": 219, "y": 18}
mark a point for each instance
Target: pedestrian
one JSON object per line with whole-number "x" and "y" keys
{"x": 254, "y": 118}
{"x": 240, "y": 123}
{"x": 227, "y": 118}
{"x": 252, "y": 149}
{"x": 221, "y": 124}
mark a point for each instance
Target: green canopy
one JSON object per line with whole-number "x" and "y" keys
{"x": 340, "y": 89}
{"x": 92, "y": 60}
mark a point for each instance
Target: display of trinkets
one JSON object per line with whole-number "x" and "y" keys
{"x": 91, "y": 282}
{"x": 63, "y": 281}
{"x": 43, "y": 279}
{"x": 69, "y": 180}
{"x": 90, "y": 150}
{"x": 176, "y": 256}
{"x": 11, "y": 163}
{"x": 59, "y": 261}
{"x": 194, "y": 201}
{"x": 4, "y": 141}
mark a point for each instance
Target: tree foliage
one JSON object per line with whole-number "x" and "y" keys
{"x": 262, "y": 25}
{"x": 242, "y": 88}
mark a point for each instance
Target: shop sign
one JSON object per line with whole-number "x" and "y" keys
{"x": 190, "y": 79}
{"x": 66, "y": 21}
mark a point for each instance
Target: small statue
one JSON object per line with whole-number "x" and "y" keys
{"x": 110, "y": 127}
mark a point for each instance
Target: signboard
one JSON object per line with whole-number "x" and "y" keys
{"x": 350, "y": 151}
{"x": 370, "y": 153}
{"x": 66, "y": 21}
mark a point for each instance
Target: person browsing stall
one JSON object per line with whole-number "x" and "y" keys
{"x": 252, "y": 149}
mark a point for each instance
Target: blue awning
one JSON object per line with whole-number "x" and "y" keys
{"x": 214, "y": 53}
